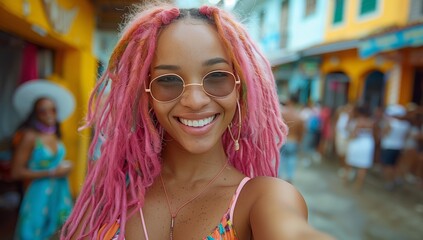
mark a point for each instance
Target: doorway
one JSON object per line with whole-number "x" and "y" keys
{"x": 374, "y": 89}
{"x": 418, "y": 87}
{"x": 336, "y": 90}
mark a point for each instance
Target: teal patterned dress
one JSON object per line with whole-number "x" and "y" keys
{"x": 47, "y": 202}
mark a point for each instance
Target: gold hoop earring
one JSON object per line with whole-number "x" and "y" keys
{"x": 236, "y": 141}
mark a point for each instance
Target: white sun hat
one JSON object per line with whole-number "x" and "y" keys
{"x": 28, "y": 93}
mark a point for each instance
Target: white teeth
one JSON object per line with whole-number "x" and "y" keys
{"x": 197, "y": 123}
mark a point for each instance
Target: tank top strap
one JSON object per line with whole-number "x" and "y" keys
{"x": 144, "y": 228}
{"x": 237, "y": 192}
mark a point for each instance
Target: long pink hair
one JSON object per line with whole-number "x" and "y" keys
{"x": 130, "y": 157}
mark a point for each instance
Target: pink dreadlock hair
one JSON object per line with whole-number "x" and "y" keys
{"x": 130, "y": 159}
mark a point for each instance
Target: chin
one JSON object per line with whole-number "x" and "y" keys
{"x": 197, "y": 151}
{"x": 197, "y": 148}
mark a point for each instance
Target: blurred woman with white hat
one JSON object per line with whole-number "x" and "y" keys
{"x": 38, "y": 159}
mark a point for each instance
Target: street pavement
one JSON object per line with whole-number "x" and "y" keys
{"x": 373, "y": 213}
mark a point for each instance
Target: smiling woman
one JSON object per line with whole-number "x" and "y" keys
{"x": 192, "y": 136}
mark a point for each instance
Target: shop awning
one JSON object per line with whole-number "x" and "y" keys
{"x": 329, "y": 48}
{"x": 279, "y": 58}
{"x": 405, "y": 37}
{"x": 283, "y": 58}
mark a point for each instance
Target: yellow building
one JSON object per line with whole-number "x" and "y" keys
{"x": 65, "y": 29}
{"x": 378, "y": 77}
{"x": 356, "y": 19}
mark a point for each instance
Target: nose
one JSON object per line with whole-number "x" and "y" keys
{"x": 51, "y": 114}
{"x": 194, "y": 96}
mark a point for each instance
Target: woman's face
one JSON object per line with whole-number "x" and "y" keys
{"x": 195, "y": 120}
{"x": 45, "y": 112}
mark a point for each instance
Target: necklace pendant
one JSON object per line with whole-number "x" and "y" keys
{"x": 172, "y": 224}
{"x": 236, "y": 145}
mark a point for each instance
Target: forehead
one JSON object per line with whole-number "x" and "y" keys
{"x": 44, "y": 102}
{"x": 188, "y": 43}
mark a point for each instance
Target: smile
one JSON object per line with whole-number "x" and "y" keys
{"x": 197, "y": 123}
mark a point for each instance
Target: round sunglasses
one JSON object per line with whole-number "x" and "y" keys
{"x": 168, "y": 87}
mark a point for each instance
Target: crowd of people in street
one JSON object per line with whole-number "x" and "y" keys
{"x": 387, "y": 139}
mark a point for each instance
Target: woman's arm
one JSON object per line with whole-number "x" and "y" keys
{"x": 280, "y": 212}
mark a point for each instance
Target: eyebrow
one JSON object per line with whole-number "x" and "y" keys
{"x": 215, "y": 61}
{"x": 205, "y": 63}
{"x": 167, "y": 67}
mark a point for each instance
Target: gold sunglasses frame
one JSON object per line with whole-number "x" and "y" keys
{"x": 236, "y": 78}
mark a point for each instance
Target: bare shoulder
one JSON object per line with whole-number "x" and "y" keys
{"x": 274, "y": 190}
{"x": 26, "y": 138}
{"x": 278, "y": 211}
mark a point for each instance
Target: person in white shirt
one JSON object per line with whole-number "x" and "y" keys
{"x": 341, "y": 135}
{"x": 360, "y": 146}
{"x": 394, "y": 136}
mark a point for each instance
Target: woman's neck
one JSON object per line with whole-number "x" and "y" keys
{"x": 185, "y": 165}
{"x": 43, "y": 128}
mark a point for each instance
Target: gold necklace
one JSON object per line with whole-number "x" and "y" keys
{"x": 174, "y": 214}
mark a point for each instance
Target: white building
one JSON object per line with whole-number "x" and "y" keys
{"x": 284, "y": 28}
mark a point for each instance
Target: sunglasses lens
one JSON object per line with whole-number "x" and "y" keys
{"x": 219, "y": 83}
{"x": 167, "y": 87}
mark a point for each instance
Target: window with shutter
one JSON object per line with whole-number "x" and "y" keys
{"x": 310, "y": 7}
{"x": 284, "y": 17}
{"x": 367, "y": 6}
{"x": 338, "y": 11}
{"x": 262, "y": 15}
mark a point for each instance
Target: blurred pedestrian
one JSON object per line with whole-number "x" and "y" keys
{"x": 360, "y": 146}
{"x": 289, "y": 151}
{"x": 419, "y": 163}
{"x": 409, "y": 158}
{"x": 38, "y": 159}
{"x": 379, "y": 118}
{"x": 341, "y": 135}
{"x": 325, "y": 147}
{"x": 394, "y": 134}
{"x": 312, "y": 133}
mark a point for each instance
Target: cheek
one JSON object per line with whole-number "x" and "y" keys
{"x": 233, "y": 113}
{"x": 162, "y": 113}
{"x": 231, "y": 109}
